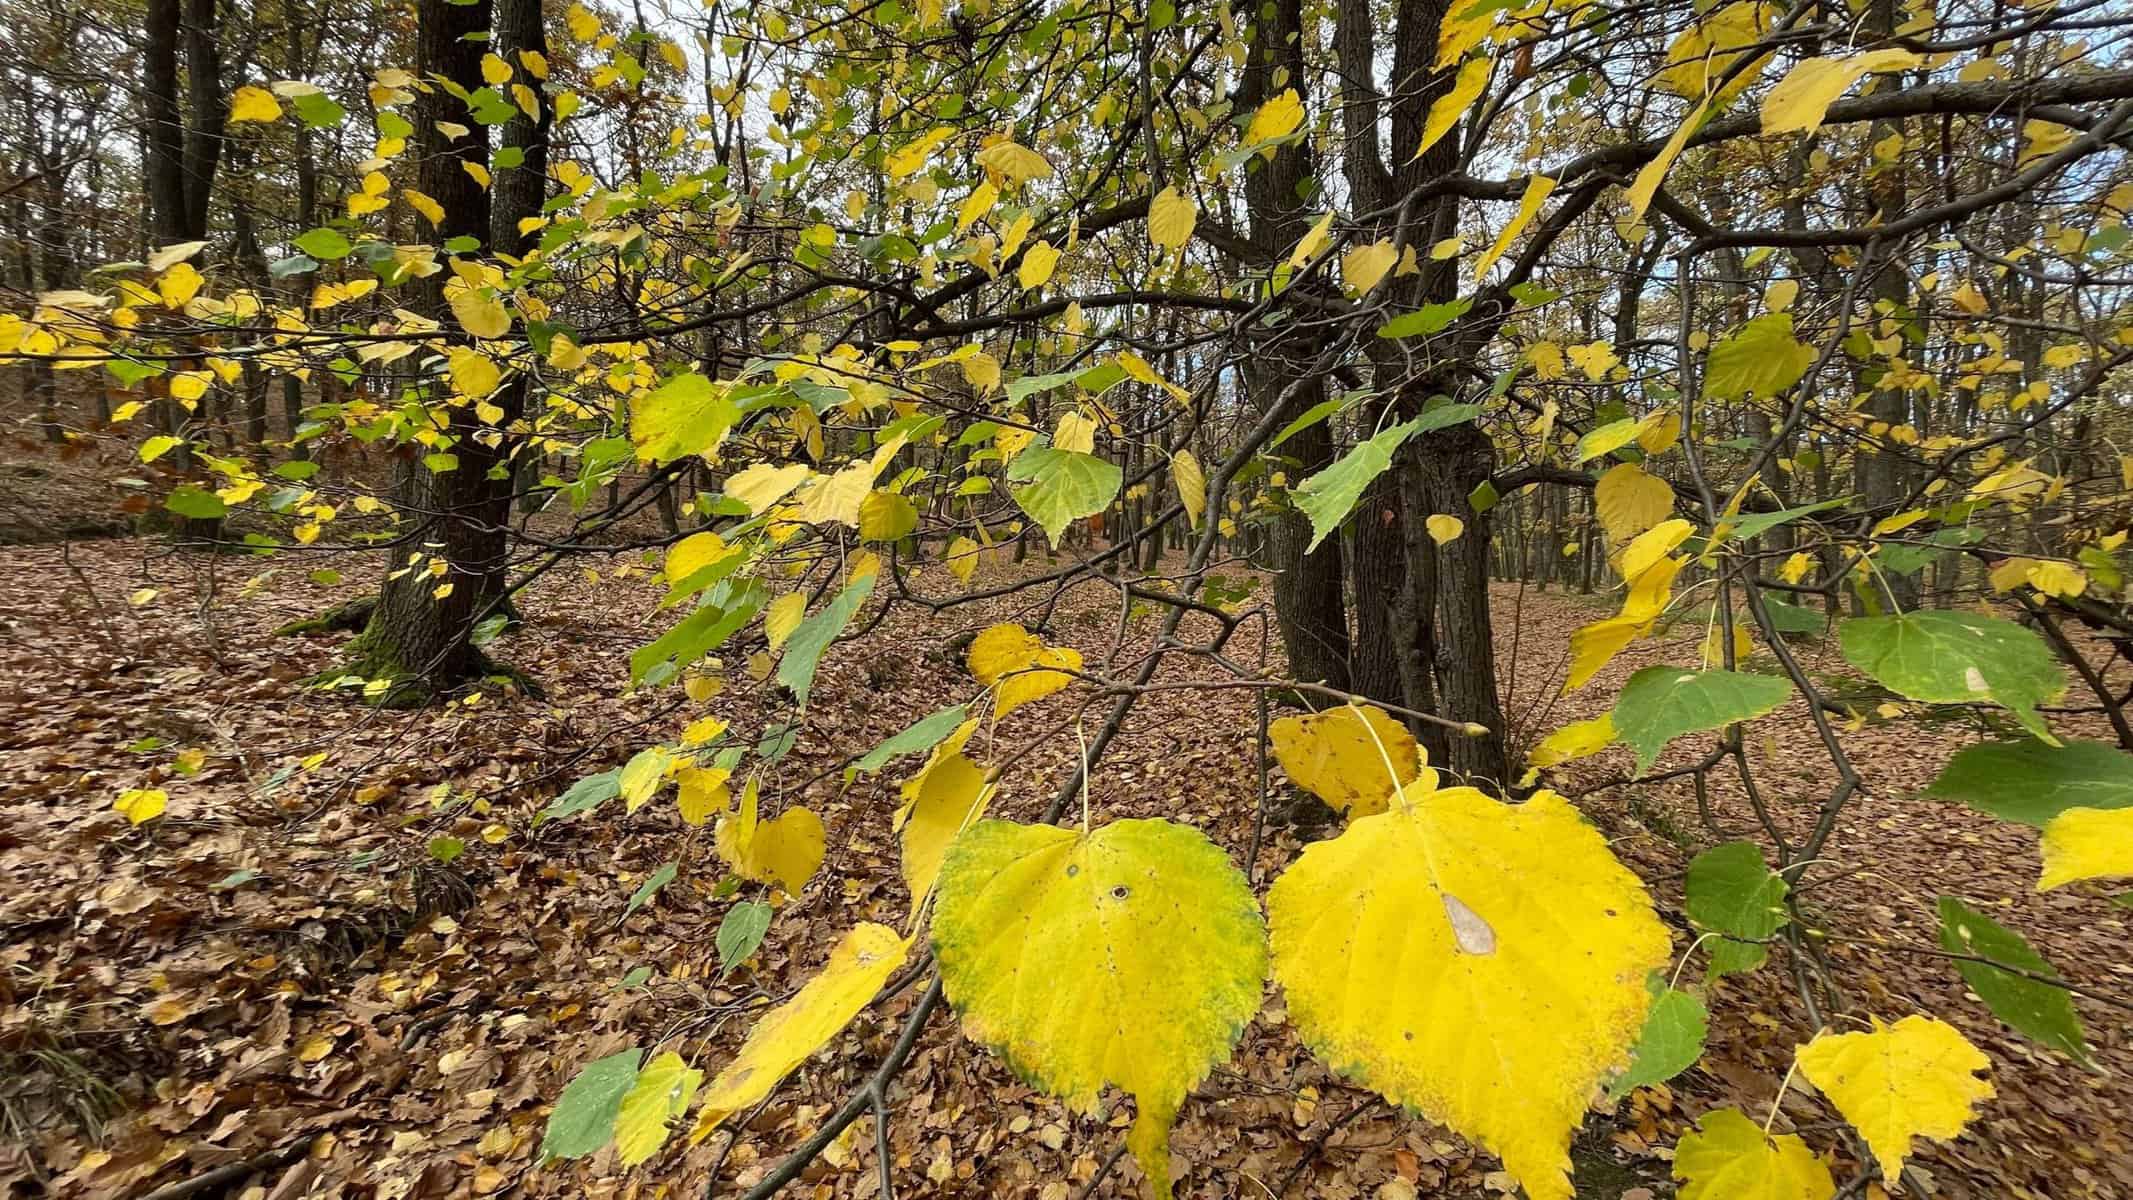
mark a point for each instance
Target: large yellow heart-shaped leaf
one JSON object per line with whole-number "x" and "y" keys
{"x": 1131, "y": 956}
{"x": 1481, "y": 962}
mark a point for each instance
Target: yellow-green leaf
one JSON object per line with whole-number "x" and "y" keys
{"x": 1020, "y": 666}
{"x": 1800, "y": 100}
{"x": 661, "y": 1093}
{"x": 140, "y": 805}
{"x": 1153, "y": 958}
{"x": 1445, "y": 112}
{"x": 785, "y": 851}
{"x": 1630, "y": 501}
{"x": 1362, "y": 267}
{"x": 250, "y": 103}
{"x": 1171, "y": 216}
{"x": 1538, "y": 189}
{"x": 785, "y": 1037}
{"x": 1191, "y": 482}
{"x": 1483, "y": 963}
{"x": 1729, "y": 1158}
{"x": 1899, "y": 1081}
{"x": 761, "y": 485}
{"x": 1444, "y": 528}
{"x": 1276, "y": 119}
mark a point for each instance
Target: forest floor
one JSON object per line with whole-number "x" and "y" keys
{"x": 276, "y": 974}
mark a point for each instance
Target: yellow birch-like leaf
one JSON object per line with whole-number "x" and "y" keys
{"x": 1012, "y": 661}
{"x": 1444, "y": 528}
{"x": 1801, "y": 99}
{"x": 2086, "y": 843}
{"x": 962, "y": 558}
{"x": 1153, "y": 954}
{"x": 1171, "y": 216}
{"x": 1445, "y": 112}
{"x": 250, "y": 103}
{"x": 1075, "y": 432}
{"x": 784, "y": 615}
{"x": 1315, "y": 239}
{"x": 761, "y": 485}
{"x": 1480, "y": 962}
{"x": 1536, "y": 194}
{"x": 1276, "y": 119}
{"x": 141, "y": 805}
{"x": 702, "y": 793}
{"x": 1355, "y": 757}
{"x": 1038, "y": 263}
{"x": 1191, "y": 482}
{"x": 1646, "y": 185}
{"x": 1579, "y": 739}
{"x": 793, "y": 1031}
{"x": 692, "y": 554}
{"x": 1363, "y": 266}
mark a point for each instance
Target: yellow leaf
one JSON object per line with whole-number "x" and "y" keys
{"x": 1803, "y": 96}
{"x": 1445, "y": 112}
{"x": 948, "y": 794}
{"x": 702, "y": 793}
{"x": 1729, "y": 1158}
{"x": 2086, "y": 843}
{"x": 785, "y": 851}
{"x": 1191, "y": 482}
{"x": 1276, "y": 119}
{"x": 1704, "y": 54}
{"x": 661, "y": 1093}
{"x": 1363, "y": 266}
{"x": 1443, "y": 528}
{"x": 790, "y": 1033}
{"x": 1579, "y": 739}
{"x": 478, "y": 314}
{"x": 885, "y": 516}
{"x": 1646, "y": 549}
{"x": 837, "y": 499}
{"x": 962, "y": 557}
{"x": 1355, "y": 758}
{"x": 1646, "y": 185}
{"x": 139, "y": 805}
{"x": 1594, "y": 646}
{"x": 783, "y": 616}
{"x": 1630, "y": 501}
{"x": 473, "y": 373}
{"x": 1536, "y": 194}
{"x": 982, "y": 371}
{"x": 1010, "y": 163}
{"x": 1312, "y": 242}
{"x": 643, "y": 775}
{"x": 1075, "y": 432}
{"x": 1144, "y": 924}
{"x": 692, "y": 554}
{"x": 1171, "y": 216}
{"x": 431, "y": 211}
{"x": 2054, "y": 578}
{"x": 1444, "y": 984}
{"x": 253, "y": 104}
{"x": 1013, "y": 661}
{"x": 1897, "y": 1082}
{"x": 977, "y": 204}
{"x": 1038, "y": 263}
{"x": 911, "y": 158}
{"x": 761, "y": 485}
{"x": 1796, "y": 566}
{"x": 178, "y": 285}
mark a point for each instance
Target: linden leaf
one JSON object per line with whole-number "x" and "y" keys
{"x": 2085, "y": 843}
{"x": 1579, "y": 739}
{"x": 1355, "y": 758}
{"x": 1276, "y": 119}
{"x": 1144, "y": 929}
{"x": 1630, "y": 501}
{"x": 783, "y": 615}
{"x": 250, "y": 103}
{"x": 141, "y": 805}
{"x": 1915, "y": 1077}
{"x": 1191, "y": 482}
{"x": 1731, "y": 890}
{"x": 1445, "y": 111}
{"x": 1363, "y": 266}
{"x": 661, "y": 1093}
{"x": 1671, "y": 1042}
{"x": 1423, "y": 952}
{"x": 962, "y": 557}
{"x": 584, "y": 1116}
{"x": 1444, "y": 528}
{"x": 1171, "y": 216}
{"x": 785, "y": 851}
{"x": 1801, "y": 99}
{"x": 791, "y": 1032}
{"x": 947, "y": 795}
{"x": 688, "y": 414}
{"x": 2044, "y": 1011}
{"x": 886, "y": 517}
{"x": 1538, "y": 189}
{"x": 1957, "y": 658}
{"x": 1062, "y": 486}
{"x": 1660, "y": 704}
{"x": 1760, "y": 359}
{"x": 1728, "y": 1158}
{"x": 702, "y": 793}
{"x": 1012, "y": 660}
{"x": 761, "y": 485}
{"x": 1038, "y": 263}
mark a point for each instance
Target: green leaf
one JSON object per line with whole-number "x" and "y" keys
{"x": 2040, "y": 1010}
{"x": 1660, "y": 704}
{"x": 724, "y": 612}
{"x": 740, "y": 932}
{"x": 1957, "y": 658}
{"x": 1749, "y": 525}
{"x": 444, "y": 848}
{"x": 323, "y": 244}
{"x": 688, "y": 414}
{"x": 650, "y": 887}
{"x": 584, "y": 1116}
{"x": 584, "y": 795}
{"x": 1761, "y": 358}
{"x": 1731, "y": 890}
{"x": 1671, "y": 1043}
{"x": 198, "y": 503}
{"x": 318, "y": 110}
{"x": 2031, "y": 782}
{"x": 1063, "y": 486}
{"x": 921, "y": 736}
{"x": 1311, "y": 416}
{"x": 1430, "y": 318}
{"x": 803, "y": 650}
